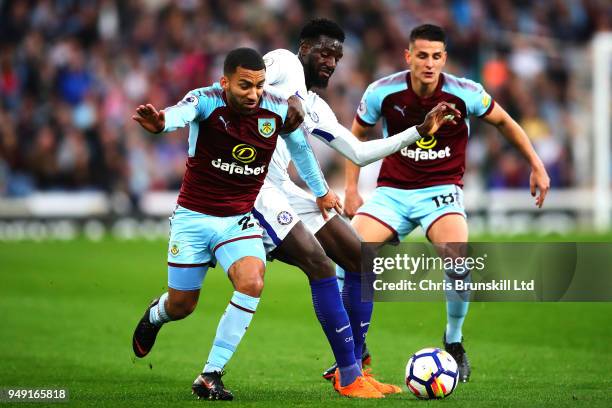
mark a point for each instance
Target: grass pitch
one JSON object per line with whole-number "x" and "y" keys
{"x": 69, "y": 308}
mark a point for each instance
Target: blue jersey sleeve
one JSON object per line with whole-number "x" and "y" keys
{"x": 305, "y": 161}
{"x": 196, "y": 106}
{"x": 369, "y": 108}
{"x": 477, "y": 101}
{"x": 275, "y": 101}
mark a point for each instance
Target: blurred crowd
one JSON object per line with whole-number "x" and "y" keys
{"x": 72, "y": 73}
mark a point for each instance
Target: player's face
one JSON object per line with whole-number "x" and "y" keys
{"x": 243, "y": 89}
{"x": 320, "y": 59}
{"x": 426, "y": 60}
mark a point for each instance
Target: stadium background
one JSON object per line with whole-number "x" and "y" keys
{"x": 85, "y": 194}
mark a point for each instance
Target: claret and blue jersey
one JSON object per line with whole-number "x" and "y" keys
{"x": 228, "y": 158}
{"x": 229, "y": 153}
{"x": 432, "y": 161}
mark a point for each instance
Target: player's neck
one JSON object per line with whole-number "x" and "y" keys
{"x": 421, "y": 89}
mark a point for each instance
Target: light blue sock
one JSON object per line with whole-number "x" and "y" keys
{"x": 340, "y": 276}
{"x": 230, "y": 331}
{"x": 455, "y": 315}
{"x": 157, "y": 314}
{"x": 457, "y": 304}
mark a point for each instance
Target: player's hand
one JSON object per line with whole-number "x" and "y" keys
{"x": 295, "y": 115}
{"x": 352, "y": 202}
{"x": 442, "y": 113}
{"x": 539, "y": 180}
{"x": 328, "y": 202}
{"x": 150, "y": 119}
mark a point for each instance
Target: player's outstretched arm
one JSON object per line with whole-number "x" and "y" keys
{"x": 538, "y": 179}
{"x": 150, "y": 118}
{"x": 171, "y": 118}
{"x": 363, "y": 153}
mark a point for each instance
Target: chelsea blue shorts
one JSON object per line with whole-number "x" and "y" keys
{"x": 198, "y": 241}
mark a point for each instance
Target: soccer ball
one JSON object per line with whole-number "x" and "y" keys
{"x": 431, "y": 373}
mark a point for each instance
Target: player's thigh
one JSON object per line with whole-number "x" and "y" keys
{"x": 384, "y": 216}
{"x": 449, "y": 227}
{"x": 240, "y": 252}
{"x": 372, "y": 229}
{"x": 341, "y": 243}
{"x": 275, "y": 215}
{"x": 241, "y": 237}
{"x": 188, "y": 253}
{"x": 302, "y": 249}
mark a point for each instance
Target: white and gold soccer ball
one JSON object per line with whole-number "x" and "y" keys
{"x": 431, "y": 373}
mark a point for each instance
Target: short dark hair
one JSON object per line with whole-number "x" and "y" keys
{"x": 321, "y": 26}
{"x": 244, "y": 57}
{"x": 428, "y": 32}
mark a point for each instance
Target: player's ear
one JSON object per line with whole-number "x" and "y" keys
{"x": 304, "y": 48}
{"x": 407, "y": 55}
{"x": 224, "y": 82}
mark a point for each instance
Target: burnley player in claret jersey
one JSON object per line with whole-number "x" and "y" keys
{"x": 233, "y": 129}
{"x": 421, "y": 184}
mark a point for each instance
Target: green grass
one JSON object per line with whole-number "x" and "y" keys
{"x": 68, "y": 311}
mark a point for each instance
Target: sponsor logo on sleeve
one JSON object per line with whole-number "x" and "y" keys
{"x": 313, "y": 116}
{"x": 362, "y": 110}
{"x": 486, "y": 100}
{"x": 190, "y": 100}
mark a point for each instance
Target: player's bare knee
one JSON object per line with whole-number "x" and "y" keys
{"x": 349, "y": 261}
{"x": 352, "y": 264}
{"x": 247, "y": 276}
{"x": 322, "y": 268}
{"x": 316, "y": 264}
{"x": 251, "y": 284}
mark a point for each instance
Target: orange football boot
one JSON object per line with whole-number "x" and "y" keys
{"x": 381, "y": 387}
{"x": 360, "y": 388}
